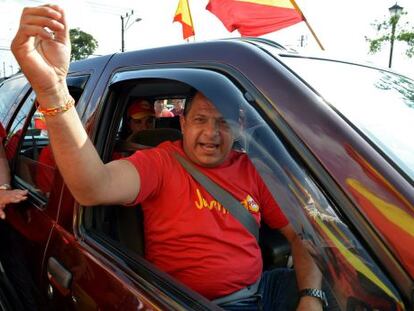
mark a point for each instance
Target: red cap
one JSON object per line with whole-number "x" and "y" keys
{"x": 140, "y": 108}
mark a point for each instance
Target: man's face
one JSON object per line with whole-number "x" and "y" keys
{"x": 207, "y": 138}
{"x": 144, "y": 123}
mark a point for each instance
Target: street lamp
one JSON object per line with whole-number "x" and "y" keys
{"x": 395, "y": 12}
{"x": 125, "y": 24}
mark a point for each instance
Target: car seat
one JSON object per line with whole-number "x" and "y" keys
{"x": 130, "y": 220}
{"x": 153, "y": 137}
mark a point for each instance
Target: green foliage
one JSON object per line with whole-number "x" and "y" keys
{"x": 83, "y": 44}
{"x": 409, "y": 38}
{"x": 384, "y": 30}
{"x": 375, "y": 45}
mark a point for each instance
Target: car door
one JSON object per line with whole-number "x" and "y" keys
{"x": 12, "y": 91}
{"x": 30, "y": 223}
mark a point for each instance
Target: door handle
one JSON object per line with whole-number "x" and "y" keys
{"x": 59, "y": 276}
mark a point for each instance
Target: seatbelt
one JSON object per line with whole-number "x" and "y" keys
{"x": 224, "y": 197}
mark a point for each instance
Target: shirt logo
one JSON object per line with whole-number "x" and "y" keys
{"x": 248, "y": 203}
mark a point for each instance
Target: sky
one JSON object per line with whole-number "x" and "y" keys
{"x": 340, "y": 25}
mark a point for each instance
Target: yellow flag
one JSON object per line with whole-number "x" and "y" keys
{"x": 183, "y": 15}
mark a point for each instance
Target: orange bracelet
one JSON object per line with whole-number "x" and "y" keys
{"x": 70, "y": 102}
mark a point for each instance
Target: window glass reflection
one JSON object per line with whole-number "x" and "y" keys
{"x": 378, "y": 103}
{"x": 347, "y": 267}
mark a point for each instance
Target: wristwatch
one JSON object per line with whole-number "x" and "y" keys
{"x": 317, "y": 293}
{"x": 5, "y": 187}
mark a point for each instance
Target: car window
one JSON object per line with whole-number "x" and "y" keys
{"x": 119, "y": 229}
{"x": 9, "y": 91}
{"x": 16, "y": 129}
{"x": 379, "y": 103}
{"x": 35, "y": 166}
{"x": 169, "y": 107}
{"x": 353, "y": 275}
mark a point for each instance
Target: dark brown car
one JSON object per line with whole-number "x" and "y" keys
{"x": 332, "y": 140}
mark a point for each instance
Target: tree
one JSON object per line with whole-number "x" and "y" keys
{"x": 83, "y": 44}
{"x": 390, "y": 30}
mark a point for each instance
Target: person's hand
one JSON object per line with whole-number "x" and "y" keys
{"x": 42, "y": 49}
{"x": 10, "y": 196}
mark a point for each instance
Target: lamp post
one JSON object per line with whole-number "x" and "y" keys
{"x": 126, "y": 22}
{"x": 395, "y": 12}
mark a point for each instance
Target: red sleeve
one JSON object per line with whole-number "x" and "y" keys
{"x": 272, "y": 213}
{"x": 149, "y": 166}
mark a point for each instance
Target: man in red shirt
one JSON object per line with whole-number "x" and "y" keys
{"x": 191, "y": 216}
{"x": 215, "y": 254}
{"x": 7, "y": 195}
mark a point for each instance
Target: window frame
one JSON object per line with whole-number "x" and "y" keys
{"x": 19, "y": 96}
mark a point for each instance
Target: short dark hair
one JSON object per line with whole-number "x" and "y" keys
{"x": 189, "y": 101}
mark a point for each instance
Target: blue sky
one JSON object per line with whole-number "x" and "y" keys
{"x": 340, "y": 25}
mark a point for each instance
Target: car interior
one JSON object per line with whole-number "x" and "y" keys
{"x": 123, "y": 226}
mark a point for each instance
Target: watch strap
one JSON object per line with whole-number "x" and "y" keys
{"x": 317, "y": 293}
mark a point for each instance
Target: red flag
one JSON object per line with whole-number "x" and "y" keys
{"x": 255, "y": 17}
{"x": 183, "y": 15}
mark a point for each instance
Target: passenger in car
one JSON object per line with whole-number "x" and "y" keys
{"x": 188, "y": 232}
{"x": 140, "y": 116}
{"x": 7, "y": 195}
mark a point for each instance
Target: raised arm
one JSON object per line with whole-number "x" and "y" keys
{"x": 42, "y": 49}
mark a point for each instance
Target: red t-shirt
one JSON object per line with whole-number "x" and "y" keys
{"x": 189, "y": 234}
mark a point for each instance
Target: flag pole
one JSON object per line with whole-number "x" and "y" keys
{"x": 307, "y": 24}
